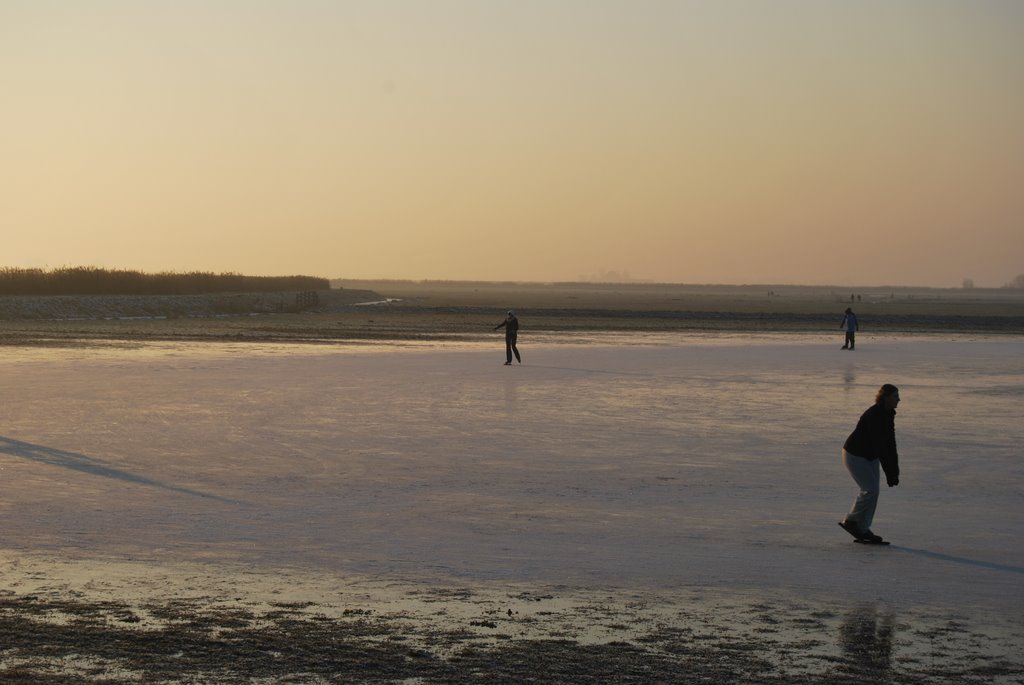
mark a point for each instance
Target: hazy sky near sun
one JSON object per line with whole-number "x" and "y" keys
{"x": 728, "y": 141}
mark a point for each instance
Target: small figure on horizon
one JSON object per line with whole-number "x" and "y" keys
{"x": 850, "y": 322}
{"x": 872, "y": 444}
{"x": 511, "y": 326}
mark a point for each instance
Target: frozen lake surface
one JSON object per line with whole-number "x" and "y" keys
{"x": 633, "y": 462}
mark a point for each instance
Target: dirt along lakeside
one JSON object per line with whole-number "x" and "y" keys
{"x": 128, "y": 621}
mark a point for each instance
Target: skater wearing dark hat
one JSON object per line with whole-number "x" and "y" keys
{"x": 511, "y": 326}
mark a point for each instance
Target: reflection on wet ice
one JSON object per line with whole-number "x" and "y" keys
{"x": 849, "y": 378}
{"x": 866, "y": 638}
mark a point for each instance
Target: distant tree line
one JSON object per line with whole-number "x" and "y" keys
{"x": 87, "y": 280}
{"x": 1017, "y": 282}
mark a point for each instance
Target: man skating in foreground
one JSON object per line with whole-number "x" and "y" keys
{"x": 872, "y": 444}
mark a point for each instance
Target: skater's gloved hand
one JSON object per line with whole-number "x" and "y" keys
{"x": 893, "y": 482}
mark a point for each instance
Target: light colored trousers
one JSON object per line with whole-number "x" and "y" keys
{"x": 866, "y": 473}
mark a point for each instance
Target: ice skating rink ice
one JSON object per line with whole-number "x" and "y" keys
{"x": 630, "y": 462}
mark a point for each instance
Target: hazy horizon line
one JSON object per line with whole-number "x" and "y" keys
{"x": 639, "y": 283}
{"x": 582, "y": 281}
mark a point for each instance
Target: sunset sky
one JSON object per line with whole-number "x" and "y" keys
{"x": 877, "y": 142}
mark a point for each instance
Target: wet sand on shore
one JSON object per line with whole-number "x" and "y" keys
{"x": 104, "y": 621}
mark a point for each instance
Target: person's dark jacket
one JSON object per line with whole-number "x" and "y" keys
{"x": 875, "y": 438}
{"x": 511, "y": 327}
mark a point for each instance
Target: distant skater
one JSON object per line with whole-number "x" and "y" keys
{"x": 511, "y": 326}
{"x": 850, "y": 322}
{"x": 872, "y": 444}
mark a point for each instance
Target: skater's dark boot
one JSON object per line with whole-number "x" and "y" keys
{"x": 853, "y": 529}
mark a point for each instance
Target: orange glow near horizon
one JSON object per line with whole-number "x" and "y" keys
{"x": 734, "y": 142}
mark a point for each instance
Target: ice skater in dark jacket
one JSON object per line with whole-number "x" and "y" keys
{"x": 872, "y": 444}
{"x": 511, "y": 326}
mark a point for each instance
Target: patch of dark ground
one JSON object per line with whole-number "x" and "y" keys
{"x": 408, "y": 323}
{"x": 47, "y": 641}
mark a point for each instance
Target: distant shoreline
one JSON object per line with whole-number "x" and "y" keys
{"x": 387, "y": 310}
{"x": 147, "y": 306}
{"x": 403, "y": 283}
